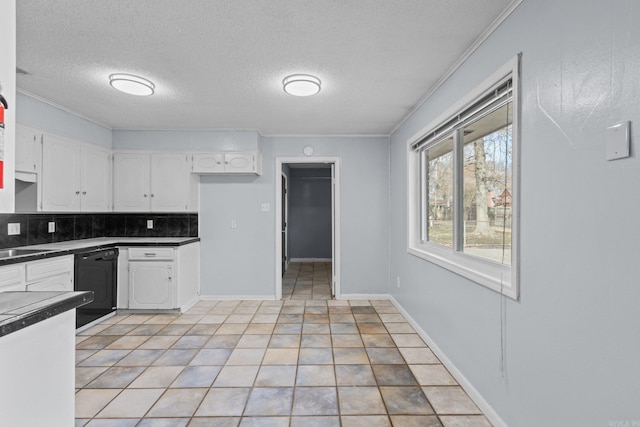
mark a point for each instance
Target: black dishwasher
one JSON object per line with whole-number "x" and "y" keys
{"x": 96, "y": 271}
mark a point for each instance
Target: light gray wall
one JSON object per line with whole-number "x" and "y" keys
{"x": 184, "y": 140}
{"x": 49, "y": 118}
{"x": 242, "y": 261}
{"x": 309, "y": 225}
{"x": 571, "y": 342}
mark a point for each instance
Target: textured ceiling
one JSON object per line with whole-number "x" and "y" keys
{"x": 219, "y": 64}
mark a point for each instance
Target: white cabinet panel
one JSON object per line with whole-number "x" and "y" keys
{"x": 12, "y": 278}
{"x": 61, "y": 282}
{"x": 240, "y": 162}
{"x": 169, "y": 182}
{"x": 156, "y": 182}
{"x": 155, "y": 277}
{"x": 95, "y": 177}
{"x": 53, "y": 274}
{"x": 60, "y": 174}
{"x": 227, "y": 163}
{"x": 151, "y": 285}
{"x": 28, "y": 149}
{"x": 75, "y": 176}
{"x": 130, "y": 182}
{"x": 208, "y": 162}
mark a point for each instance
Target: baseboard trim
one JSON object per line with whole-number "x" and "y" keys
{"x": 190, "y": 304}
{"x": 473, "y": 393}
{"x": 365, "y": 296}
{"x": 236, "y": 297}
{"x": 310, "y": 260}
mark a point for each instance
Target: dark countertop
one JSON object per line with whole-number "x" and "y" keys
{"x": 19, "y": 310}
{"x": 73, "y": 247}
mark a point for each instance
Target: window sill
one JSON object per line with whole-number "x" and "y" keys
{"x": 498, "y": 278}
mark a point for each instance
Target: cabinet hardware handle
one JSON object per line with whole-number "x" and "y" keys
{"x": 153, "y": 195}
{"x": 84, "y": 192}
{"x": 77, "y": 192}
{"x": 149, "y": 254}
{"x": 145, "y": 195}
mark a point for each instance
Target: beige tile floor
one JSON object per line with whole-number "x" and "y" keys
{"x": 307, "y": 280}
{"x": 297, "y": 362}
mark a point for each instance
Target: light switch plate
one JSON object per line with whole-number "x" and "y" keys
{"x": 52, "y": 227}
{"x": 618, "y": 141}
{"x": 234, "y": 223}
{"x": 149, "y": 224}
{"x": 13, "y": 228}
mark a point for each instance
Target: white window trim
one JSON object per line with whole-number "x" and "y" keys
{"x": 495, "y": 276}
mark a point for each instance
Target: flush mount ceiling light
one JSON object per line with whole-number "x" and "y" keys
{"x": 301, "y": 85}
{"x": 133, "y": 85}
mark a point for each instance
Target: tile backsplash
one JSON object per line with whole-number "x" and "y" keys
{"x": 34, "y": 227}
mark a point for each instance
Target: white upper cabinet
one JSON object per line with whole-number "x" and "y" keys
{"x": 227, "y": 163}
{"x": 95, "y": 179}
{"x": 156, "y": 182}
{"x": 28, "y": 150}
{"x": 75, "y": 176}
{"x": 131, "y": 182}
{"x": 60, "y": 174}
{"x": 169, "y": 182}
{"x": 208, "y": 162}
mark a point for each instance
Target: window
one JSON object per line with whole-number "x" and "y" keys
{"x": 463, "y": 189}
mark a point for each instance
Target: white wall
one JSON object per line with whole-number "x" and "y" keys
{"x": 571, "y": 342}
{"x": 49, "y": 118}
{"x": 8, "y": 83}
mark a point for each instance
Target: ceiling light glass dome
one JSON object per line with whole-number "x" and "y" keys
{"x": 301, "y": 85}
{"x": 133, "y": 85}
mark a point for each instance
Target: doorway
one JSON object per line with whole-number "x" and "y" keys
{"x": 329, "y": 262}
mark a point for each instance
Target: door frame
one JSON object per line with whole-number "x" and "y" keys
{"x": 336, "y": 268}
{"x": 284, "y": 184}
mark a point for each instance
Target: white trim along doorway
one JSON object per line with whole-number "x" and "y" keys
{"x": 335, "y": 196}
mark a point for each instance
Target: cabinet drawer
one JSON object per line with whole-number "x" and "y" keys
{"x": 61, "y": 282}
{"x": 12, "y": 278}
{"x": 38, "y": 270}
{"x": 151, "y": 254}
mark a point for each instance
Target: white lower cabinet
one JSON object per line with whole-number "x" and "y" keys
{"x": 12, "y": 278}
{"x": 151, "y": 285}
{"x": 52, "y": 274}
{"x": 159, "y": 278}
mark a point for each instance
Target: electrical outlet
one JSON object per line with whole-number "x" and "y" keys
{"x": 234, "y": 223}
{"x": 52, "y": 227}
{"x": 398, "y": 282}
{"x": 149, "y": 224}
{"x": 13, "y": 228}
{"x": 266, "y": 207}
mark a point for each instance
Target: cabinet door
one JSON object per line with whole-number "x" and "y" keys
{"x": 169, "y": 182}
{"x": 28, "y": 149}
{"x": 131, "y": 182}
{"x": 12, "y": 278}
{"x": 239, "y": 162}
{"x": 95, "y": 174}
{"x": 60, "y": 174}
{"x": 62, "y": 282}
{"x": 151, "y": 285}
{"x": 208, "y": 162}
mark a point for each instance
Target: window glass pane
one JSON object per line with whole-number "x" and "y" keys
{"x": 487, "y": 186}
{"x": 438, "y": 217}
